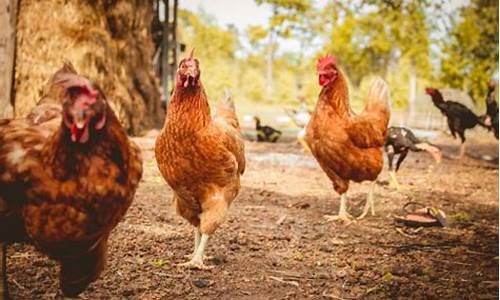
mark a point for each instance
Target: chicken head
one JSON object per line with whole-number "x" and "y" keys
{"x": 327, "y": 70}
{"x": 188, "y": 73}
{"x": 84, "y": 111}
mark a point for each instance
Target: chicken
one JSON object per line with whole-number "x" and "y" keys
{"x": 348, "y": 146}
{"x": 266, "y": 133}
{"x": 300, "y": 118}
{"x": 68, "y": 174}
{"x": 400, "y": 140}
{"x": 459, "y": 116}
{"x": 490, "y": 119}
{"x": 200, "y": 157}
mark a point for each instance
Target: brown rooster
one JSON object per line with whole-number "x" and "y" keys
{"x": 200, "y": 158}
{"x": 348, "y": 146}
{"x": 68, "y": 174}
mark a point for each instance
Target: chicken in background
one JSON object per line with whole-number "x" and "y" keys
{"x": 266, "y": 133}
{"x": 200, "y": 157}
{"x": 459, "y": 117}
{"x": 348, "y": 147}
{"x": 490, "y": 119}
{"x": 300, "y": 118}
{"x": 68, "y": 174}
{"x": 400, "y": 141}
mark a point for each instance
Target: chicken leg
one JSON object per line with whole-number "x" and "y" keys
{"x": 462, "y": 151}
{"x": 343, "y": 214}
{"x": 301, "y": 139}
{"x": 369, "y": 202}
{"x": 394, "y": 181}
{"x": 196, "y": 261}
{"x": 4, "y": 295}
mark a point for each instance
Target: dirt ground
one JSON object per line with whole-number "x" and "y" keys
{"x": 276, "y": 244}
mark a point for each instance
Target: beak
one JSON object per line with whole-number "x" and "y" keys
{"x": 191, "y": 71}
{"x": 79, "y": 119}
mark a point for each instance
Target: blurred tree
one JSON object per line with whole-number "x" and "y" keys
{"x": 282, "y": 24}
{"x": 215, "y": 48}
{"x": 471, "y": 54}
{"x": 369, "y": 36}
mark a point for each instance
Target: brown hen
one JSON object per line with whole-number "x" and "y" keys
{"x": 348, "y": 146}
{"x": 200, "y": 158}
{"x": 68, "y": 174}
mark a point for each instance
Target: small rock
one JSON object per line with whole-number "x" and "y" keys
{"x": 218, "y": 260}
{"x": 202, "y": 283}
{"x": 326, "y": 248}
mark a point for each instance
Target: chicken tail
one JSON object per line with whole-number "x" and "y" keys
{"x": 369, "y": 129}
{"x": 226, "y": 111}
{"x": 433, "y": 150}
{"x": 378, "y": 97}
{"x": 77, "y": 272}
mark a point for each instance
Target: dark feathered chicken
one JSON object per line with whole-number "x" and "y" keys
{"x": 460, "y": 118}
{"x": 490, "y": 119}
{"x": 266, "y": 133}
{"x": 400, "y": 141}
{"x": 68, "y": 174}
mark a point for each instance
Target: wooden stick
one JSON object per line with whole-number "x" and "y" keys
{"x": 279, "y": 279}
{"x": 332, "y": 296}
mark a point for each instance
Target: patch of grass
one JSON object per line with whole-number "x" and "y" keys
{"x": 460, "y": 217}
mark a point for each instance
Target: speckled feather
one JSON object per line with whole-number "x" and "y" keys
{"x": 65, "y": 198}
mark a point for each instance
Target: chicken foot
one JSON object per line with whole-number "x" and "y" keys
{"x": 197, "y": 237}
{"x": 369, "y": 202}
{"x": 196, "y": 261}
{"x": 393, "y": 182}
{"x": 343, "y": 214}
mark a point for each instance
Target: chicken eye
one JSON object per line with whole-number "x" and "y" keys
{"x": 74, "y": 91}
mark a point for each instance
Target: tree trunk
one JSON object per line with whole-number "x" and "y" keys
{"x": 269, "y": 62}
{"x": 8, "y": 17}
{"x": 110, "y": 41}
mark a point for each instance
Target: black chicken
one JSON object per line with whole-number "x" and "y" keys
{"x": 490, "y": 119}
{"x": 266, "y": 133}
{"x": 400, "y": 141}
{"x": 459, "y": 116}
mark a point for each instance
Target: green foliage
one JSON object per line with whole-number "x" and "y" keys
{"x": 394, "y": 39}
{"x": 471, "y": 54}
{"x": 369, "y": 42}
{"x": 215, "y": 48}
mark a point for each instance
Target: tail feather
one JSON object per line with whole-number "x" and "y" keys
{"x": 369, "y": 129}
{"x": 378, "y": 96}
{"x": 433, "y": 150}
{"x": 226, "y": 111}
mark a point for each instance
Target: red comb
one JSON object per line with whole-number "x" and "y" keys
{"x": 191, "y": 54}
{"x": 326, "y": 60}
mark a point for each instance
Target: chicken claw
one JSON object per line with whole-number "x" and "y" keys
{"x": 195, "y": 265}
{"x": 343, "y": 214}
{"x": 347, "y": 218}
